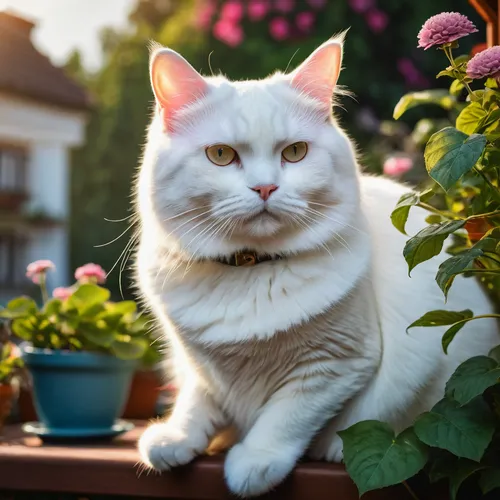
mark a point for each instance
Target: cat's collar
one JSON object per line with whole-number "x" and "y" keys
{"x": 247, "y": 258}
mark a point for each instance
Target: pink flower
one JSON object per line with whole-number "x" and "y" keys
{"x": 377, "y": 20}
{"x": 90, "y": 273}
{"x": 257, "y": 9}
{"x": 411, "y": 73}
{"x": 486, "y": 63}
{"x": 205, "y": 15}
{"x": 62, "y": 293}
{"x": 232, "y": 11}
{"x": 444, "y": 28}
{"x": 279, "y": 28}
{"x": 317, "y": 4}
{"x": 37, "y": 268}
{"x": 284, "y": 5}
{"x": 305, "y": 21}
{"x": 361, "y": 6}
{"x": 397, "y": 165}
{"x": 227, "y": 32}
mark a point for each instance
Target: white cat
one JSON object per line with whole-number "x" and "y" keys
{"x": 311, "y": 339}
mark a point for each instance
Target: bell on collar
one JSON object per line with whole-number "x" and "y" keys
{"x": 245, "y": 259}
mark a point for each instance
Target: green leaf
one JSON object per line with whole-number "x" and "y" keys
{"x": 495, "y": 353}
{"x": 456, "y": 88}
{"x": 375, "y": 458}
{"x": 472, "y": 378}
{"x": 52, "y": 307}
{"x": 428, "y": 242}
{"x": 18, "y": 308}
{"x": 491, "y": 83}
{"x": 439, "y": 97}
{"x": 449, "y": 334}
{"x": 465, "y": 431}
{"x": 491, "y": 98}
{"x": 455, "y": 265}
{"x": 440, "y": 317}
{"x": 433, "y": 219}
{"x": 469, "y": 118}
{"x": 400, "y": 214}
{"x": 463, "y": 470}
{"x": 123, "y": 308}
{"x": 490, "y": 479}
{"x": 101, "y": 337}
{"x": 446, "y": 72}
{"x": 23, "y": 328}
{"x": 132, "y": 348}
{"x": 87, "y": 295}
{"x": 449, "y": 154}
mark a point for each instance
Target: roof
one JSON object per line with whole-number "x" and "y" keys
{"x": 28, "y": 73}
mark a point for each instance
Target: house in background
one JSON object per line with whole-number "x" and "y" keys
{"x": 42, "y": 116}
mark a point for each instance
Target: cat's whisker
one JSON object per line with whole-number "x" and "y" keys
{"x": 186, "y": 212}
{"x": 345, "y": 224}
{"x": 336, "y": 236}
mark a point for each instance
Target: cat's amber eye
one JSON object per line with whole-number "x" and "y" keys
{"x": 295, "y": 152}
{"x": 220, "y": 154}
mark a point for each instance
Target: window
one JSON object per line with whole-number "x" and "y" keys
{"x": 12, "y": 169}
{"x": 12, "y": 260}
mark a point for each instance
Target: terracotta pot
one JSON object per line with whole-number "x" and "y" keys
{"x": 143, "y": 396}
{"x": 6, "y": 397}
{"x": 27, "y": 412}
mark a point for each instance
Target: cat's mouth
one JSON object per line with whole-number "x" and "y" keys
{"x": 263, "y": 214}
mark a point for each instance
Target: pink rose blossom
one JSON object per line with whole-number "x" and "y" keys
{"x": 257, "y": 9}
{"x": 317, "y": 4}
{"x": 397, "y": 165}
{"x": 486, "y": 63}
{"x": 90, "y": 273}
{"x": 361, "y": 6}
{"x": 444, "y": 28}
{"x": 305, "y": 21}
{"x": 62, "y": 293}
{"x": 279, "y": 28}
{"x": 227, "y": 32}
{"x": 232, "y": 11}
{"x": 35, "y": 269}
{"x": 377, "y": 20}
{"x": 284, "y": 5}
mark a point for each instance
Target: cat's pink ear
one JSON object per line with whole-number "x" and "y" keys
{"x": 175, "y": 83}
{"x": 318, "y": 74}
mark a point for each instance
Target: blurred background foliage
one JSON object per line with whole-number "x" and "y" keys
{"x": 249, "y": 40}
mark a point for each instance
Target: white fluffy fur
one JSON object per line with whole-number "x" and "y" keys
{"x": 290, "y": 351}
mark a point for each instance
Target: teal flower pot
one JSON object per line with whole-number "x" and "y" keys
{"x": 78, "y": 390}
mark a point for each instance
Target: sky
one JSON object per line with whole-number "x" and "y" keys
{"x": 63, "y": 25}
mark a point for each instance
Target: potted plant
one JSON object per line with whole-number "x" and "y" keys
{"x": 81, "y": 350}
{"x": 10, "y": 366}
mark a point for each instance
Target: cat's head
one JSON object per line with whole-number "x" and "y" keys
{"x": 248, "y": 165}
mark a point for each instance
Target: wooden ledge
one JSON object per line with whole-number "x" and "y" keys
{"x": 111, "y": 469}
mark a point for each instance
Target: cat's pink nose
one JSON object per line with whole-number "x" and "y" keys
{"x": 265, "y": 191}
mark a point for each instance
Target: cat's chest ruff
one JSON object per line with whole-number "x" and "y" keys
{"x": 219, "y": 303}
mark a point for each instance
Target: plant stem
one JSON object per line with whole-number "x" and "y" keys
{"x": 43, "y": 287}
{"x": 485, "y": 178}
{"x": 449, "y": 55}
{"x": 445, "y": 213}
{"x": 410, "y": 491}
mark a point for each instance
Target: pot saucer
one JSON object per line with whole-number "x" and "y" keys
{"x": 78, "y": 434}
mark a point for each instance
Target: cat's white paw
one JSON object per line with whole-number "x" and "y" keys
{"x": 330, "y": 449}
{"x": 250, "y": 472}
{"x": 163, "y": 446}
